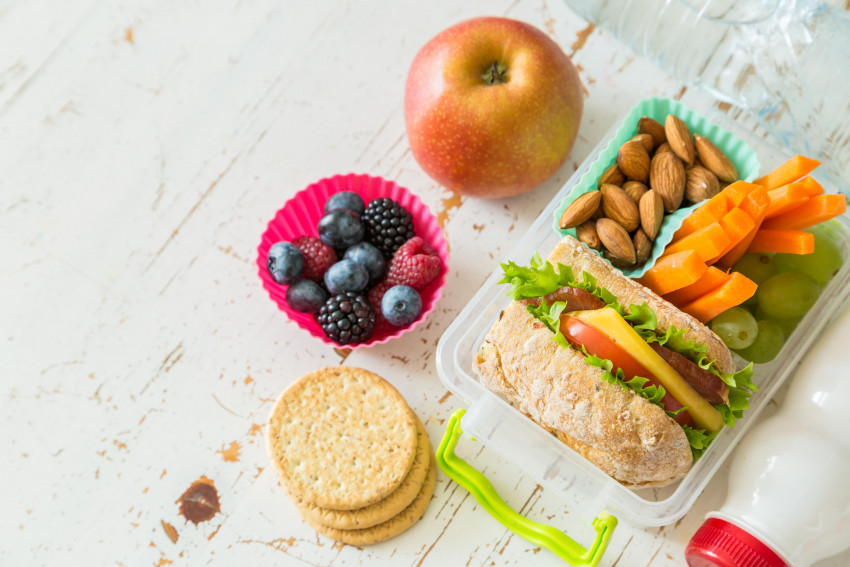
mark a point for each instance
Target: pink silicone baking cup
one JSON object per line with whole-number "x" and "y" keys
{"x": 300, "y": 216}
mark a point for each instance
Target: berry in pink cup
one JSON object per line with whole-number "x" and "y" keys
{"x": 300, "y": 216}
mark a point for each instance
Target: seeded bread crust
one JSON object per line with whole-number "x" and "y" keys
{"x": 623, "y": 434}
{"x": 626, "y": 436}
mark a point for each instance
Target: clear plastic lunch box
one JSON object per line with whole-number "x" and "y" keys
{"x": 551, "y": 463}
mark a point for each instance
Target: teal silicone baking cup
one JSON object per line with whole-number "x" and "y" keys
{"x": 742, "y": 155}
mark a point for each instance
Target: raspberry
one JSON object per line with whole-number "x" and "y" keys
{"x": 318, "y": 257}
{"x": 376, "y": 294}
{"x": 415, "y": 264}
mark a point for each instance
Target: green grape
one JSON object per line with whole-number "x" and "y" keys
{"x": 787, "y": 325}
{"x": 822, "y": 264}
{"x": 788, "y": 295}
{"x": 736, "y": 327}
{"x": 757, "y": 267}
{"x": 767, "y": 345}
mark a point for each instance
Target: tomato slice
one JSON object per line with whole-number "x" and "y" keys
{"x": 594, "y": 341}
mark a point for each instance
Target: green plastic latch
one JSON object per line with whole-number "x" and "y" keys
{"x": 544, "y": 535}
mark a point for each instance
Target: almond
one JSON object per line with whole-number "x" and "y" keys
{"x": 646, "y": 141}
{"x": 679, "y": 138}
{"x": 715, "y": 160}
{"x": 633, "y": 161}
{"x": 612, "y": 175}
{"x": 617, "y": 262}
{"x": 700, "y": 185}
{"x": 580, "y": 210}
{"x": 597, "y": 214}
{"x": 651, "y": 213}
{"x": 586, "y": 232}
{"x": 647, "y": 125}
{"x": 635, "y": 190}
{"x": 665, "y": 147}
{"x": 643, "y": 246}
{"x": 667, "y": 177}
{"x": 616, "y": 240}
{"x": 619, "y": 207}
{"x": 697, "y": 161}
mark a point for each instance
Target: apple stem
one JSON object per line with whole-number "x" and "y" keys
{"x": 496, "y": 74}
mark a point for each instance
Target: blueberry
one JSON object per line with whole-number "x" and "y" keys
{"x": 346, "y": 275}
{"x": 401, "y": 305}
{"x": 341, "y": 228}
{"x": 345, "y": 200}
{"x": 371, "y": 258}
{"x": 285, "y": 263}
{"x": 306, "y": 296}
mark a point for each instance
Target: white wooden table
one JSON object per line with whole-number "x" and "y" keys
{"x": 143, "y": 148}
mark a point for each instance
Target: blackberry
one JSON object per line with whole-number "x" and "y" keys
{"x": 388, "y": 225}
{"x": 347, "y": 318}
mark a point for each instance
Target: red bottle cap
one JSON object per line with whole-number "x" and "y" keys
{"x": 719, "y": 543}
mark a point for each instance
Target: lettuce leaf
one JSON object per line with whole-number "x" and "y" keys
{"x": 740, "y": 390}
{"x": 536, "y": 280}
{"x": 699, "y": 440}
{"x": 638, "y": 384}
{"x": 551, "y": 316}
{"x": 541, "y": 278}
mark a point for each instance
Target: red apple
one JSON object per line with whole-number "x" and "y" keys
{"x": 492, "y": 107}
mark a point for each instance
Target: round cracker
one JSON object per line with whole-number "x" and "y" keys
{"x": 392, "y": 527}
{"x": 382, "y": 510}
{"x": 341, "y": 438}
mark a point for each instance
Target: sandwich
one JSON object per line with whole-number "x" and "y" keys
{"x": 624, "y": 378}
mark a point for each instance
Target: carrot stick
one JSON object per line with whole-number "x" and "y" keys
{"x": 674, "y": 272}
{"x": 737, "y": 192}
{"x": 791, "y": 170}
{"x": 737, "y": 224}
{"x": 811, "y": 187}
{"x": 708, "y": 242}
{"x": 714, "y": 209}
{"x": 814, "y": 211}
{"x": 711, "y": 211}
{"x": 755, "y": 205}
{"x": 711, "y": 279}
{"x": 736, "y": 290}
{"x": 786, "y": 198}
{"x": 786, "y": 241}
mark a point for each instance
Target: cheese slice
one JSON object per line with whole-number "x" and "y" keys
{"x": 613, "y": 326}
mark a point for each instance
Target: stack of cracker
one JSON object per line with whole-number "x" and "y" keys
{"x": 351, "y": 454}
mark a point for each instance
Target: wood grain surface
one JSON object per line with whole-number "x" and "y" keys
{"x": 143, "y": 148}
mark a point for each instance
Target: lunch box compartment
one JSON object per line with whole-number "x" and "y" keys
{"x": 551, "y": 463}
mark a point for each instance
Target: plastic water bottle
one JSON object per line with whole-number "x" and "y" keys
{"x": 787, "y": 62}
{"x": 788, "y": 501}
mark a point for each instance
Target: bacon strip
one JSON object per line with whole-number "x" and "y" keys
{"x": 707, "y": 385}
